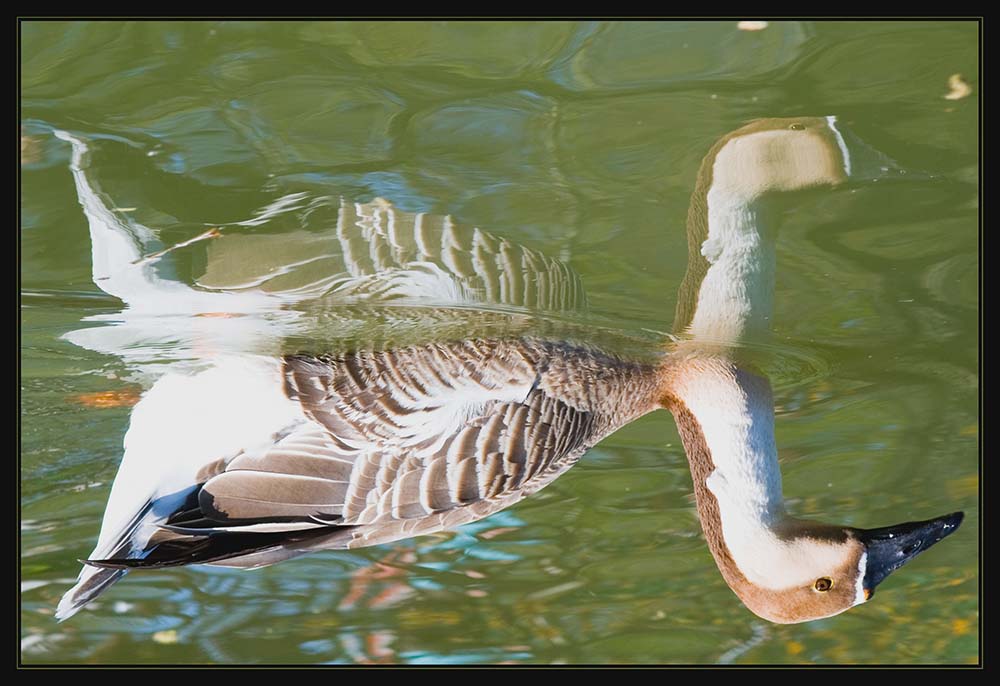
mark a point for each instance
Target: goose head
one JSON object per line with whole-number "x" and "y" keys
{"x": 810, "y": 571}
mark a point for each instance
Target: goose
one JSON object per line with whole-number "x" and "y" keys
{"x": 285, "y": 455}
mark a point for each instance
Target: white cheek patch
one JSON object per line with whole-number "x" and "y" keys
{"x": 831, "y": 121}
{"x": 770, "y": 562}
{"x": 859, "y": 595}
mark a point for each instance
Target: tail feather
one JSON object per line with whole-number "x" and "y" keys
{"x": 92, "y": 582}
{"x": 227, "y": 548}
{"x": 236, "y": 403}
{"x": 217, "y": 547}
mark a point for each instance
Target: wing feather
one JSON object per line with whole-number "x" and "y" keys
{"x": 249, "y": 495}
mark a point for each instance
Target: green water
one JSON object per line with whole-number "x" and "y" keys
{"x": 581, "y": 140}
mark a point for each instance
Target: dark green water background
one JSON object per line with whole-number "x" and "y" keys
{"x": 581, "y": 140}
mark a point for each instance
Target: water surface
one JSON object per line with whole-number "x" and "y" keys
{"x": 582, "y": 141}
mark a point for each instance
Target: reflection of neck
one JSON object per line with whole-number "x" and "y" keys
{"x": 735, "y": 299}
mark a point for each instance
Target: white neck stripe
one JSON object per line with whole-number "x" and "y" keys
{"x": 832, "y": 123}
{"x": 859, "y": 595}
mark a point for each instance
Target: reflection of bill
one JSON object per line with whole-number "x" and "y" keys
{"x": 283, "y": 456}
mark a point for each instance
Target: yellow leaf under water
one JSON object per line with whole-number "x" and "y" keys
{"x": 30, "y": 149}
{"x": 122, "y": 398}
{"x": 958, "y": 88}
{"x": 960, "y": 626}
{"x": 970, "y": 430}
{"x": 165, "y": 637}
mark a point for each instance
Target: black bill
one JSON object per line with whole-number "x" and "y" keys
{"x": 893, "y": 546}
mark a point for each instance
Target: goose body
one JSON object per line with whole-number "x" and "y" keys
{"x": 374, "y": 447}
{"x": 309, "y": 453}
{"x": 283, "y": 455}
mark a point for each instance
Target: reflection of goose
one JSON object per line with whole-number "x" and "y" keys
{"x": 252, "y": 283}
{"x": 283, "y": 457}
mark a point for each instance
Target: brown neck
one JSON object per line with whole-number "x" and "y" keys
{"x": 701, "y": 465}
{"x": 777, "y": 605}
{"x": 676, "y": 375}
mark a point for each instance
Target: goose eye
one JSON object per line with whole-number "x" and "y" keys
{"x": 823, "y": 584}
{"x": 797, "y": 127}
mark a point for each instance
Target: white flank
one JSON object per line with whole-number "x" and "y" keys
{"x": 184, "y": 423}
{"x": 444, "y": 413}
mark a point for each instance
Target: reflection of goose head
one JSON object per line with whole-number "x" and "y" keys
{"x": 778, "y": 155}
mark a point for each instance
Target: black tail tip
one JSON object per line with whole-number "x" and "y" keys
{"x": 104, "y": 564}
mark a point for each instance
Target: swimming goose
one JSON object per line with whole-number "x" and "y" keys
{"x": 284, "y": 456}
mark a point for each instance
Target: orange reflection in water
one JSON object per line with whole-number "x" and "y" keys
{"x": 126, "y": 397}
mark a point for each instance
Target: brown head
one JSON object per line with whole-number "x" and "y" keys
{"x": 817, "y": 570}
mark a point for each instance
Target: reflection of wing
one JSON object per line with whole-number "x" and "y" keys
{"x": 379, "y": 253}
{"x": 394, "y": 444}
